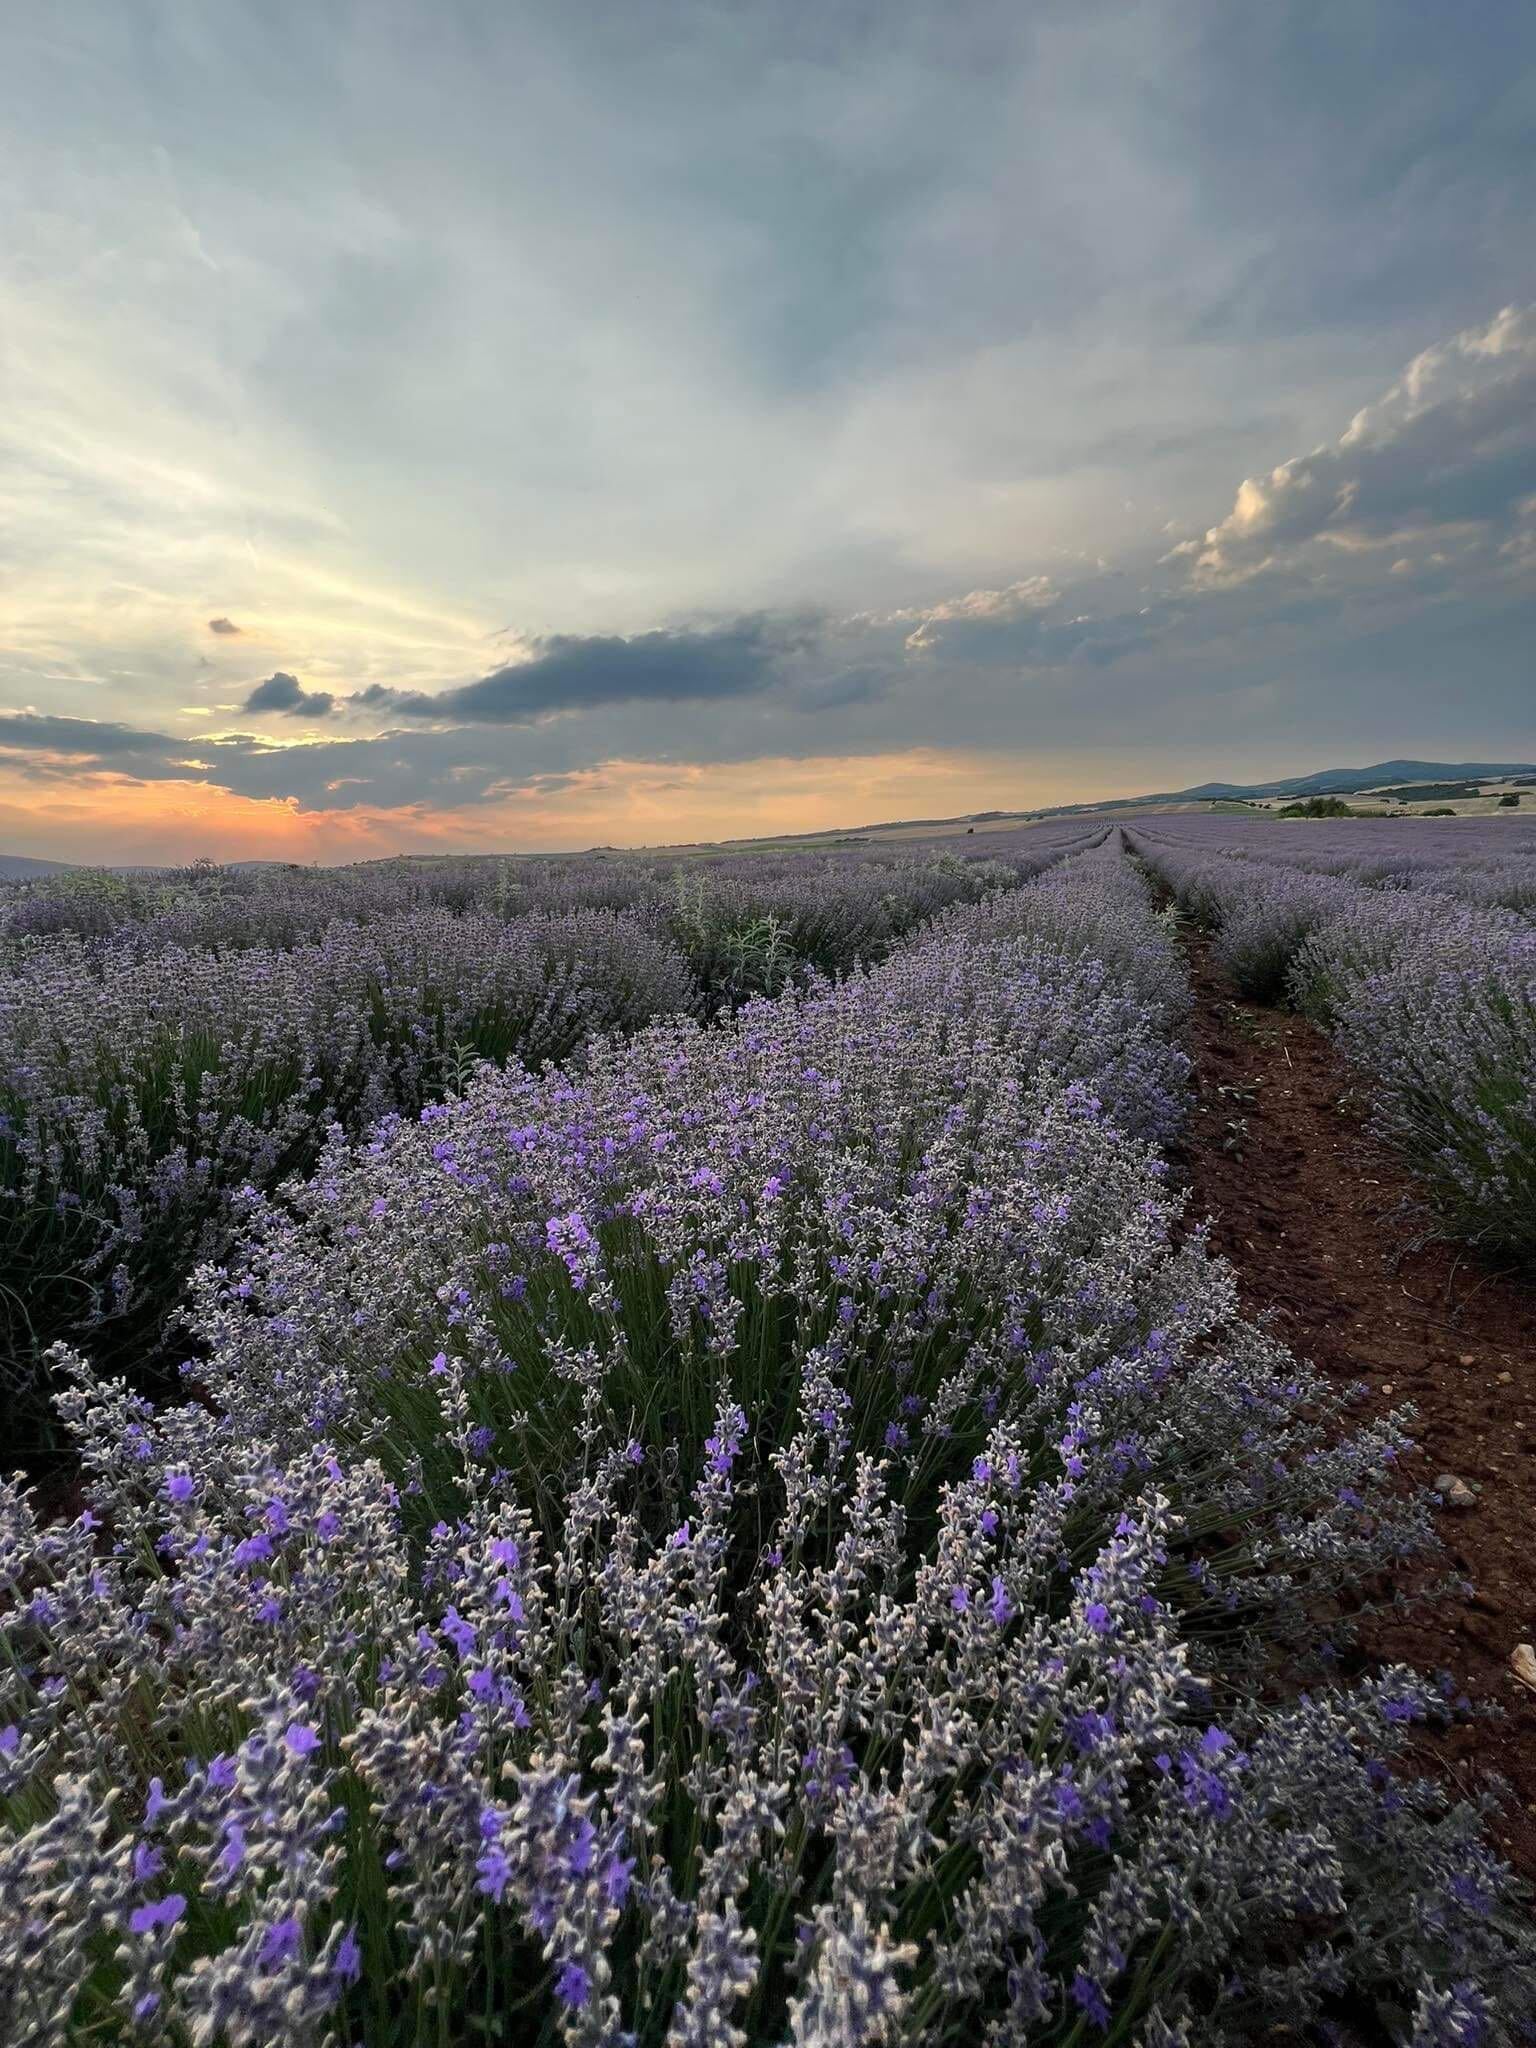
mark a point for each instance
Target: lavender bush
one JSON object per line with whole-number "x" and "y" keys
{"x": 751, "y": 924}
{"x": 1360, "y": 849}
{"x": 753, "y": 932}
{"x": 1092, "y": 905}
{"x": 1437, "y": 1007}
{"x": 1260, "y": 914}
{"x": 772, "y": 1535}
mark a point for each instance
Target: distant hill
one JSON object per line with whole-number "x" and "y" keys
{"x": 18, "y": 867}
{"x": 1322, "y": 782}
{"x": 1349, "y": 781}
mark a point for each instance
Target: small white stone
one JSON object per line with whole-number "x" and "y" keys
{"x": 1455, "y": 1491}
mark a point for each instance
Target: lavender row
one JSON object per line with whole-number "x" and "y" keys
{"x": 1433, "y": 1002}
{"x": 1487, "y": 863}
{"x": 1092, "y": 905}
{"x": 775, "y": 1535}
{"x": 1438, "y": 1008}
{"x": 224, "y": 909}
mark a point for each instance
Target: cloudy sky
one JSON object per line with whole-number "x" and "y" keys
{"x": 507, "y": 425}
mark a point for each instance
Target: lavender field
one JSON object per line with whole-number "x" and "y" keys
{"x": 644, "y": 1451}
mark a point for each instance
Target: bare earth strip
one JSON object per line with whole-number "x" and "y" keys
{"x": 1327, "y": 1228}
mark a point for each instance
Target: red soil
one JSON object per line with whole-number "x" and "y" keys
{"x": 1327, "y": 1229}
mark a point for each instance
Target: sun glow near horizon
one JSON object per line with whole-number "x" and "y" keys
{"x": 117, "y": 819}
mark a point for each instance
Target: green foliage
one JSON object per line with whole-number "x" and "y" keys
{"x": 1318, "y": 807}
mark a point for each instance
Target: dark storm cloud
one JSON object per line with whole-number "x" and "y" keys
{"x": 583, "y": 672}
{"x": 100, "y": 740}
{"x": 286, "y": 694}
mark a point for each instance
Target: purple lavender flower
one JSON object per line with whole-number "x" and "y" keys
{"x": 573, "y": 1986}
{"x": 280, "y": 1944}
{"x": 1089, "y": 1996}
{"x": 159, "y": 1913}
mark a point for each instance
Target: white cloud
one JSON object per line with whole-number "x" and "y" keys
{"x": 985, "y": 607}
{"x": 1446, "y": 450}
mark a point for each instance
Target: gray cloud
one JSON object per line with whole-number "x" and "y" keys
{"x": 48, "y": 748}
{"x": 45, "y": 732}
{"x": 1026, "y": 642}
{"x": 980, "y": 613}
{"x": 1012, "y": 628}
{"x": 1381, "y": 667}
{"x": 222, "y": 626}
{"x": 585, "y": 672}
{"x": 285, "y": 694}
{"x": 860, "y": 683}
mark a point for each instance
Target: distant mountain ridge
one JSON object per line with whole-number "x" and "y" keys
{"x": 1349, "y": 781}
{"x": 20, "y": 867}
{"x": 1322, "y": 782}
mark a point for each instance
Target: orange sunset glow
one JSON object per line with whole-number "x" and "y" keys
{"x": 109, "y": 818}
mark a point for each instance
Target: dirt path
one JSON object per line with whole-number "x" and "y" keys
{"x": 1325, "y": 1227}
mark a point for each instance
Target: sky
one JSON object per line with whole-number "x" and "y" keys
{"x": 492, "y": 426}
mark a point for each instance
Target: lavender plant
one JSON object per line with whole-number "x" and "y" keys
{"x": 1259, "y": 914}
{"x": 1437, "y": 1007}
{"x": 857, "y": 890}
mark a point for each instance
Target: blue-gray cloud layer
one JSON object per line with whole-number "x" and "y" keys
{"x": 1356, "y": 565}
